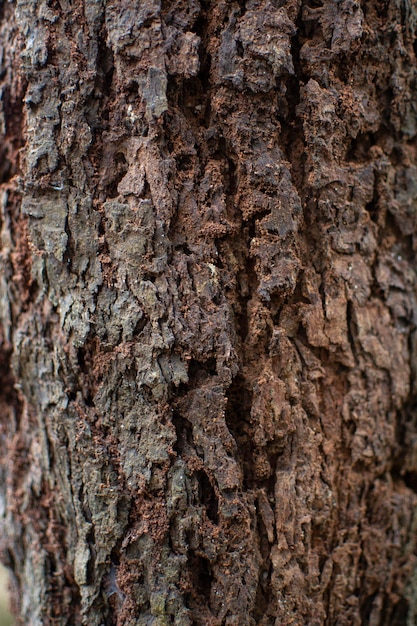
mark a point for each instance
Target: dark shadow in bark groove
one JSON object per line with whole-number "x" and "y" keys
{"x": 208, "y": 496}
{"x": 403, "y": 469}
{"x": 105, "y": 63}
{"x": 201, "y": 575}
{"x": 5, "y": 167}
{"x": 262, "y": 602}
{"x": 120, "y": 168}
{"x": 400, "y": 613}
{"x": 184, "y": 432}
{"x": 8, "y": 393}
{"x": 198, "y": 371}
{"x": 410, "y": 480}
{"x": 373, "y": 205}
{"x": 237, "y": 416}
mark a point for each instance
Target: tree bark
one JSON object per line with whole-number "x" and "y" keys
{"x": 207, "y": 308}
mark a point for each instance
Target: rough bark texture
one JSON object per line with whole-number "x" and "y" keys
{"x": 208, "y": 303}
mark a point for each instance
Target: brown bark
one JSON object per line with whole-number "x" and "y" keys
{"x": 207, "y": 304}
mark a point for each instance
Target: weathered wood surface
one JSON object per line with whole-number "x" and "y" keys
{"x": 207, "y": 303}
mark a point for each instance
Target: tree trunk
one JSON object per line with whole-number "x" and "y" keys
{"x": 207, "y": 307}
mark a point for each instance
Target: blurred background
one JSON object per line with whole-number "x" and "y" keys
{"x": 5, "y": 617}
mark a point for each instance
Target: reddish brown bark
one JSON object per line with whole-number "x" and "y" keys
{"x": 207, "y": 301}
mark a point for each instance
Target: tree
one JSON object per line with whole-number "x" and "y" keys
{"x": 207, "y": 306}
